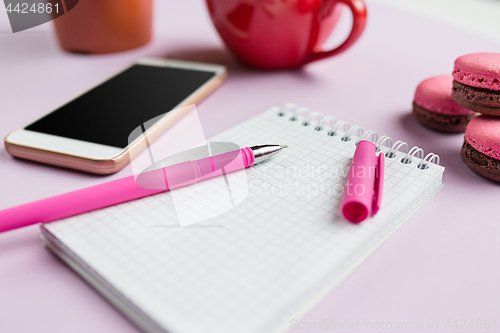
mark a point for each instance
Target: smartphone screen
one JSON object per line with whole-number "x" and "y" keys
{"x": 109, "y": 113}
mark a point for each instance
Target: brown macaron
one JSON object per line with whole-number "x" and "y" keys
{"x": 476, "y": 84}
{"x": 434, "y": 108}
{"x": 481, "y": 148}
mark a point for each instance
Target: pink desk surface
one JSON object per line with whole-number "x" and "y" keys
{"x": 442, "y": 264}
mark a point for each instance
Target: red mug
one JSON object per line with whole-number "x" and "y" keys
{"x": 280, "y": 34}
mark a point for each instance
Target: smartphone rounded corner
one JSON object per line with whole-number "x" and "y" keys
{"x": 8, "y": 145}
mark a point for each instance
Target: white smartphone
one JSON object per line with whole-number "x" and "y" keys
{"x": 91, "y": 132}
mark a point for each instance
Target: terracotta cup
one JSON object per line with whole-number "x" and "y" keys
{"x": 104, "y": 26}
{"x": 280, "y": 34}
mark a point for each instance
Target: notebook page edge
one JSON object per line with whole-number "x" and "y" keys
{"x": 127, "y": 308}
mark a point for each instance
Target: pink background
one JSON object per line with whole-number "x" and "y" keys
{"x": 442, "y": 264}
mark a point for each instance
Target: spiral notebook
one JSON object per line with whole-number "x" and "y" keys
{"x": 280, "y": 249}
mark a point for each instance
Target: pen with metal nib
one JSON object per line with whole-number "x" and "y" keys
{"x": 151, "y": 181}
{"x": 163, "y": 176}
{"x": 265, "y": 152}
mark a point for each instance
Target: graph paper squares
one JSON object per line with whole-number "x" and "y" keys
{"x": 250, "y": 268}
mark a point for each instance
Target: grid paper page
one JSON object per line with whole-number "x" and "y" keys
{"x": 252, "y": 267}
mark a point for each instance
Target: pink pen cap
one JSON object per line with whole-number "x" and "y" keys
{"x": 363, "y": 190}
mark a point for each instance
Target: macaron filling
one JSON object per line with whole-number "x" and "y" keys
{"x": 440, "y": 121}
{"x": 480, "y": 163}
{"x": 483, "y": 134}
{"x": 434, "y": 94}
{"x": 477, "y": 96}
{"x": 479, "y": 159}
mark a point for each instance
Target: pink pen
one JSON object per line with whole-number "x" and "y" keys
{"x": 133, "y": 187}
{"x": 363, "y": 191}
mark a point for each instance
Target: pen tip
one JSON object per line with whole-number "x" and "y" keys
{"x": 284, "y": 146}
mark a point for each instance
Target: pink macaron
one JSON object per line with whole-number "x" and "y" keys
{"x": 434, "y": 107}
{"x": 476, "y": 84}
{"x": 481, "y": 149}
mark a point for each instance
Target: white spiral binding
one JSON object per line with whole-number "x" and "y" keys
{"x": 299, "y": 112}
{"x": 430, "y": 158}
{"x": 339, "y": 124}
{"x": 384, "y": 139}
{"x": 325, "y": 121}
{"x": 287, "y": 108}
{"x": 336, "y": 126}
{"x": 355, "y": 129}
{"x": 310, "y": 118}
{"x": 397, "y": 147}
{"x": 370, "y": 136}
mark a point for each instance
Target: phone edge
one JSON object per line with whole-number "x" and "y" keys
{"x": 105, "y": 167}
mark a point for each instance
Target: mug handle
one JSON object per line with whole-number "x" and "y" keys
{"x": 358, "y": 10}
